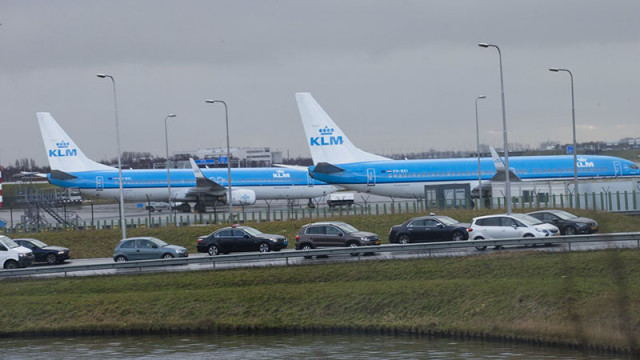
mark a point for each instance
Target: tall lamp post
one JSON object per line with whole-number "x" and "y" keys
{"x": 166, "y": 140}
{"x": 123, "y": 224}
{"x": 478, "y": 152}
{"x": 504, "y": 132}
{"x": 226, "y": 112}
{"x": 575, "y": 147}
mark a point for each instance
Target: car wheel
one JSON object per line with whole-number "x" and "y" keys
{"x": 152, "y": 209}
{"x": 120, "y": 258}
{"x": 213, "y": 250}
{"x": 264, "y": 248}
{"x": 9, "y": 265}
{"x": 529, "y": 236}
{"x": 353, "y": 245}
{"x": 404, "y": 239}
{"x": 570, "y": 230}
{"x": 457, "y": 236}
{"x": 167, "y": 256}
{"x": 306, "y": 247}
{"x": 480, "y": 248}
{"x": 51, "y": 259}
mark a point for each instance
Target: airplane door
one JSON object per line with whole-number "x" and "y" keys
{"x": 371, "y": 177}
{"x": 99, "y": 183}
{"x": 617, "y": 168}
{"x": 309, "y": 180}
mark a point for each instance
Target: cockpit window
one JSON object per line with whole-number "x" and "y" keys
{"x": 634, "y": 167}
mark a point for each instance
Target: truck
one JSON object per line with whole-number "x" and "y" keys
{"x": 340, "y": 199}
{"x": 12, "y": 255}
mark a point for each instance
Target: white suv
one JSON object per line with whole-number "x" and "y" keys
{"x": 13, "y": 255}
{"x": 508, "y": 227}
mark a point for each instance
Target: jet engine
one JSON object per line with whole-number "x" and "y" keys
{"x": 243, "y": 197}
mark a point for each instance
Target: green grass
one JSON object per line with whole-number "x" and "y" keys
{"x": 572, "y": 298}
{"x": 84, "y": 244}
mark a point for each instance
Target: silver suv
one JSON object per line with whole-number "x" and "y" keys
{"x": 508, "y": 227}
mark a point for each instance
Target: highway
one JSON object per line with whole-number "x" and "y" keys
{"x": 290, "y": 257}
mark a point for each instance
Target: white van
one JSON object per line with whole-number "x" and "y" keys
{"x": 13, "y": 255}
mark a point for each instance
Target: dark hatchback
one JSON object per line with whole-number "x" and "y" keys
{"x": 429, "y": 229}
{"x": 240, "y": 238}
{"x": 568, "y": 223}
{"x": 43, "y": 252}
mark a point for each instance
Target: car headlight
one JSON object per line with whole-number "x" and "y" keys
{"x": 61, "y": 252}
{"x": 23, "y": 255}
{"x": 542, "y": 231}
{"x": 582, "y": 224}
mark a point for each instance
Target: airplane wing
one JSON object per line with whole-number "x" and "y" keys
{"x": 500, "y": 168}
{"x": 499, "y": 164}
{"x": 203, "y": 184}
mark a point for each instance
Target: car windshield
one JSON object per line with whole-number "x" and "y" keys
{"x": 158, "y": 241}
{"x": 564, "y": 215}
{"x": 347, "y": 228}
{"x": 8, "y": 243}
{"x": 447, "y": 220}
{"x": 527, "y": 219}
{"x": 38, "y": 243}
{"x": 252, "y": 231}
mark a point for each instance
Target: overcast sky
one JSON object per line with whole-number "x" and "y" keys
{"x": 396, "y": 76}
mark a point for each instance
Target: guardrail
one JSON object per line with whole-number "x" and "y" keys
{"x": 286, "y": 255}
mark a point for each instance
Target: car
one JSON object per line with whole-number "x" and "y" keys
{"x": 240, "y": 238}
{"x": 43, "y": 252}
{"x": 504, "y": 226}
{"x": 12, "y": 255}
{"x": 568, "y": 223}
{"x": 144, "y": 248}
{"x": 157, "y": 206}
{"x": 333, "y": 233}
{"x": 427, "y": 229}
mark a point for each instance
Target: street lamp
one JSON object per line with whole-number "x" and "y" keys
{"x": 575, "y": 147}
{"x": 123, "y": 224}
{"x": 226, "y": 112}
{"x": 504, "y": 132}
{"x": 166, "y": 139}
{"x": 478, "y": 151}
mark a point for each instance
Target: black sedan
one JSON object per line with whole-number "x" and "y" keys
{"x": 568, "y": 223}
{"x": 240, "y": 238}
{"x": 43, "y": 252}
{"x": 428, "y": 229}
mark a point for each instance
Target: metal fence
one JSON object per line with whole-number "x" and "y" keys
{"x": 607, "y": 201}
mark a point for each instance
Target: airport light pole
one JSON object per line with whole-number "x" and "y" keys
{"x": 575, "y": 146}
{"x": 229, "y": 199}
{"x": 123, "y": 224}
{"x": 504, "y": 132}
{"x": 166, "y": 140}
{"x": 478, "y": 151}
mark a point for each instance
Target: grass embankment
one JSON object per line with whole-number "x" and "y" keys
{"x": 84, "y": 244}
{"x": 572, "y": 298}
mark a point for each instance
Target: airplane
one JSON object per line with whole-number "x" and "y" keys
{"x": 337, "y": 161}
{"x": 71, "y": 168}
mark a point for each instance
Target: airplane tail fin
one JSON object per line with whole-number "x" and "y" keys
{"x": 327, "y": 143}
{"x": 63, "y": 154}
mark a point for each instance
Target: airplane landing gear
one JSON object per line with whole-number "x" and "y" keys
{"x": 200, "y": 208}
{"x": 184, "y": 207}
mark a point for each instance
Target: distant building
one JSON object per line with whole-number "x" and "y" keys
{"x": 240, "y": 156}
